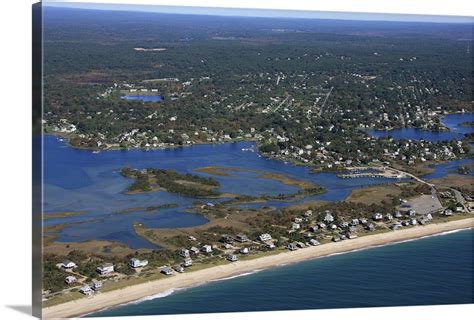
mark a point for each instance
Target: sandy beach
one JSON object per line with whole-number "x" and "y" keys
{"x": 136, "y": 292}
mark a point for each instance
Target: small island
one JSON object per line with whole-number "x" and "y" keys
{"x": 151, "y": 179}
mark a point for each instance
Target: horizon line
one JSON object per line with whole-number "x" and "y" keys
{"x": 266, "y": 13}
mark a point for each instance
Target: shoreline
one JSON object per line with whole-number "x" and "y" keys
{"x": 138, "y": 292}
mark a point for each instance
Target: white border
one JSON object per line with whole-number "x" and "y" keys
{"x": 15, "y": 185}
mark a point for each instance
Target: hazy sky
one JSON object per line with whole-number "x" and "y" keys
{"x": 273, "y": 12}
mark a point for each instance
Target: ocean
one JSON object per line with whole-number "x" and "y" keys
{"x": 433, "y": 270}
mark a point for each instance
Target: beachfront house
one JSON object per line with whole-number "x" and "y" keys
{"x": 264, "y": 237}
{"x": 351, "y": 235}
{"x": 241, "y": 238}
{"x": 244, "y": 250}
{"x": 422, "y": 221}
{"x": 86, "y": 289}
{"x": 70, "y": 280}
{"x": 395, "y": 226}
{"x": 136, "y": 263}
{"x": 292, "y": 246}
{"x": 194, "y": 250}
{"x": 68, "y": 265}
{"x": 388, "y": 217}
{"x": 377, "y": 216}
{"x": 370, "y": 227}
{"x": 413, "y": 222}
{"x": 96, "y": 284}
{"x": 184, "y": 253}
{"x": 363, "y": 221}
{"x": 179, "y": 268}
{"x": 398, "y": 215}
{"x": 206, "y": 248}
{"x": 314, "y": 242}
{"x": 336, "y": 238}
{"x": 166, "y": 270}
{"x": 300, "y": 245}
{"x": 187, "y": 262}
{"x": 448, "y": 212}
{"x": 191, "y": 238}
{"x": 269, "y": 245}
{"x": 231, "y": 257}
{"x": 313, "y": 228}
{"x": 106, "y": 268}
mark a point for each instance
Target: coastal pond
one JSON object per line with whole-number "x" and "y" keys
{"x": 83, "y": 181}
{"x": 90, "y": 183}
{"x": 452, "y": 122}
{"x": 144, "y": 98}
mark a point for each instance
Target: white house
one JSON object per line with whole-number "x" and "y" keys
{"x": 269, "y": 245}
{"x": 106, "y": 268}
{"x": 244, "y": 250}
{"x": 328, "y": 218}
{"x": 166, "y": 270}
{"x": 241, "y": 238}
{"x": 206, "y": 248}
{"x": 377, "y": 216}
{"x": 68, "y": 265}
{"x": 264, "y": 237}
{"x": 179, "y": 268}
{"x": 292, "y": 246}
{"x": 96, "y": 284}
{"x": 187, "y": 262}
{"x": 70, "y": 279}
{"x": 136, "y": 263}
{"x": 184, "y": 253}
{"x": 295, "y": 226}
{"x": 231, "y": 257}
{"x": 86, "y": 289}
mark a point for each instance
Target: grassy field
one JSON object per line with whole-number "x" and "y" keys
{"x": 375, "y": 194}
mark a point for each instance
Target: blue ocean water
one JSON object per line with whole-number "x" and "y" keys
{"x": 156, "y": 98}
{"x": 451, "y": 121}
{"x": 432, "y": 270}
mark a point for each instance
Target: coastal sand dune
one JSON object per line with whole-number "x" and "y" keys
{"x": 136, "y": 292}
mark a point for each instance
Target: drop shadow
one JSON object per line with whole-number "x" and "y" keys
{"x": 22, "y": 309}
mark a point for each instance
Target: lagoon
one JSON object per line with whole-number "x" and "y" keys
{"x": 83, "y": 181}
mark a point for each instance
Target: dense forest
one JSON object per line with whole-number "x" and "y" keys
{"x": 305, "y": 89}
